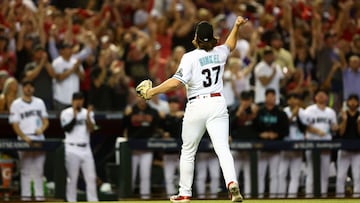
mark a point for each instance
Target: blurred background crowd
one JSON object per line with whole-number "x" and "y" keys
{"x": 117, "y": 43}
{"x": 104, "y": 48}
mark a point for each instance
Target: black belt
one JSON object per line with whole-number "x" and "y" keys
{"x": 78, "y": 144}
{"x": 217, "y": 94}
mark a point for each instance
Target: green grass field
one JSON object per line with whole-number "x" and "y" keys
{"x": 251, "y": 201}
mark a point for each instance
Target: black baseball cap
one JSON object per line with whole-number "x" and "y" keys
{"x": 293, "y": 95}
{"x": 204, "y": 32}
{"x": 353, "y": 96}
{"x": 245, "y": 95}
{"x": 77, "y": 95}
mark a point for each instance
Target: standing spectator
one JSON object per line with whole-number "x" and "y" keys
{"x": 351, "y": 77}
{"x": 282, "y": 56}
{"x": 120, "y": 82}
{"x": 354, "y": 47}
{"x": 141, "y": 122}
{"x": 236, "y": 79}
{"x": 9, "y": 94}
{"x": 40, "y": 72}
{"x": 242, "y": 128}
{"x": 326, "y": 56}
{"x": 7, "y": 58}
{"x": 305, "y": 67}
{"x": 291, "y": 160}
{"x": 272, "y": 124}
{"x": 267, "y": 75}
{"x": 349, "y": 129}
{"x": 68, "y": 73}
{"x": 137, "y": 55}
{"x": 29, "y": 120}
{"x": 321, "y": 121}
{"x": 172, "y": 130}
{"x": 184, "y": 14}
{"x": 101, "y": 93}
{"x": 78, "y": 123}
{"x": 24, "y": 48}
{"x": 3, "y": 76}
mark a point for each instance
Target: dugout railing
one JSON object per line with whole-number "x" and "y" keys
{"x": 124, "y": 146}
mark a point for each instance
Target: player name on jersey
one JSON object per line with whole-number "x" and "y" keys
{"x": 30, "y": 113}
{"x": 211, "y": 59}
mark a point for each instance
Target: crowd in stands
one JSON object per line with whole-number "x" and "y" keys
{"x": 105, "y": 48}
{"x": 115, "y": 44}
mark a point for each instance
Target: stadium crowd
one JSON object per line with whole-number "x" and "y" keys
{"x": 288, "y": 49}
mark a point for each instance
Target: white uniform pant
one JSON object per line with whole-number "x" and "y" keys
{"x": 171, "y": 164}
{"x": 324, "y": 173}
{"x": 344, "y": 160}
{"x": 269, "y": 160}
{"x": 143, "y": 161}
{"x": 242, "y": 162}
{"x": 201, "y": 114}
{"x": 77, "y": 158}
{"x": 207, "y": 163}
{"x": 32, "y": 168}
{"x": 289, "y": 161}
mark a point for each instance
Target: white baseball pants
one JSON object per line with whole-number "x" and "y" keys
{"x": 324, "y": 168}
{"x": 207, "y": 163}
{"x": 32, "y": 168}
{"x": 344, "y": 160}
{"x": 171, "y": 164}
{"x": 289, "y": 161}
{"x": 143, "y": 161}
{"x": 77, "y": 158}
{"x": 200, "y": 114}
{"x": 269, "y": 160}
{"x": 242, "y": 162}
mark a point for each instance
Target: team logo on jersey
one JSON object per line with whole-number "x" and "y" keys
{"x": 179, "y": 72}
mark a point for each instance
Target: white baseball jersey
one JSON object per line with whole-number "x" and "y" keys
{"x": 80, "y": 133}
{"x": 63, "y": 90}
{"x": 203, "y": 75}
{"x": 263, "y": 69}
{"x": 321, "y": 119}
{"x": 29, "y": 116}
{"x": 294, "y": 132}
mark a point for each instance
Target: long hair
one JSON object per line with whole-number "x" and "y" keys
{"x": 7, "y": 84}
{"x": 207, "y": 46}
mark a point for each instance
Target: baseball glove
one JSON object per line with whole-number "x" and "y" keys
{"x": 143, "y": 88}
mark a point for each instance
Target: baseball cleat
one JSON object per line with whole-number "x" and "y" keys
{"x": 234, "y": 190}
{"x": 179, "y": 199}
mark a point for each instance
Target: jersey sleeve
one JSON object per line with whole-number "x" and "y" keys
{"x": 44, "y": 113}
{"x": 279, "y": 72}
{"x": 184, "y": 72}
{"x": 92, "y": 117}
{"x": 302, "y": 116}
{"x": 56, "y": 66}
{"x": 259, "y": 70}
{"x": 333, "y": 119}
{"x": 225, "y": 50}
{"x": 14, "y": 116}
{"x": 65, "y": 118}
